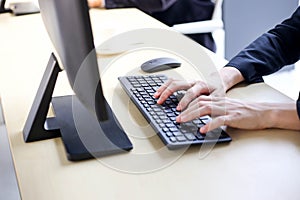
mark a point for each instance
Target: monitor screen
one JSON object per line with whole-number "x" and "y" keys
{"x": 68, "y": 25}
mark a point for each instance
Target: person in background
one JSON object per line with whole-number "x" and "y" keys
{"x": 169, "y": 12}
{"x": 270, "y": 52}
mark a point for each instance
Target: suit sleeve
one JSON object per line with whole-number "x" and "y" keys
{"x": 148, "y": 6}
{"x": 270, "y": 52}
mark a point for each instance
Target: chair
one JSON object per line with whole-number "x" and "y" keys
{"x": 215, "y": 26}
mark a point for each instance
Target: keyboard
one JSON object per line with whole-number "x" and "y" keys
{"x": 174, "y": 135}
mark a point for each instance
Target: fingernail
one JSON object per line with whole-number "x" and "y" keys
{"x": 182, "y": 118}
{"x": 203, "y": 129}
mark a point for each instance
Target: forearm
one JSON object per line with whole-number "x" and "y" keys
{"x": 284, "y": 116}
{"x": 277, "y": 115}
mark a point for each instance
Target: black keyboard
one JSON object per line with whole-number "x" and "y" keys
{"x": 162, "y": 117}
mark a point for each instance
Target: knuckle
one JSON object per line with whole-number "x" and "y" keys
{"x": 207, "y": 108}
{"x": 190, "y": 92}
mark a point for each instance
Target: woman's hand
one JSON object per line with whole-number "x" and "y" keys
{"x": 209, "y": 99}
{"x": 193, "y": 89}
{"x": 95, "y": 3}
{"x": 240, "y": 114}
{"x": 219, "y": 84}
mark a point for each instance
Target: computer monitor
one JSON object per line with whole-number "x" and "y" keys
{"x": 85, "y": 120}
{"x": 69, "y": 28}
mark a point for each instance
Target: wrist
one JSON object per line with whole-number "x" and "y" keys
{"x": 230, "y": 77}
{"x": 284, "y": 116}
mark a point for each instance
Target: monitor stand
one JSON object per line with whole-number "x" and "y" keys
{"x": 4, "y": 10}
{"x": 2, "y": 7}
{"x": 83, "y": 135}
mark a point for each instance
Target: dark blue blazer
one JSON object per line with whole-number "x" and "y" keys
{"x": 270, "y": 52}
{"x": 172, "y": 12}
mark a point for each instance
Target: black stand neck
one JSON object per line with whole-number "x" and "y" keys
{"x": 38, "y": 126}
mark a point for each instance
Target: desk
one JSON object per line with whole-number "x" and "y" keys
{"x": 255, "y": 165}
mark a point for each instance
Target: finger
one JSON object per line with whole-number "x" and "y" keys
{"x": 189, "y": 96}
{"x": 213, "y": 124}
{"x": 205, "y": 99}
{"x": 201, "y": 100}
{"x": 172, "y": 87}
{"x": 193, "y": 112}
{"x": 198, "y": 89}
{"x": 202, "y": 106}
{"x": 162, "y": 88}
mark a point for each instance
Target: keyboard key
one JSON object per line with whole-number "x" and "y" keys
{"x": 169, "y": 134}
{"x": 181, "y": 138}
{"x": 176, "y": 133}
{"x": 199, "y": 135}
{"x": 173, "y": 139}
{"x": 190, "y": 136}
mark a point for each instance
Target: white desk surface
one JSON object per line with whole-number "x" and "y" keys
{"x": 255, "y": 165}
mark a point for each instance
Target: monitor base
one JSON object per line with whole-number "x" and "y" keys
{"x": 83, "y": 135}
{"x": 3, "y": 10}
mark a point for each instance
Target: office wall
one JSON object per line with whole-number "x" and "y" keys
{"x": 246, "y": 20}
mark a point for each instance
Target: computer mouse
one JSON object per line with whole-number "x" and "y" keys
{"x": 160, "y": 64}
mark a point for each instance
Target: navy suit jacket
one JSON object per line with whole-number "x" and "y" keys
{"x": 172, "y": 12}
{"x": 270, "y": 52}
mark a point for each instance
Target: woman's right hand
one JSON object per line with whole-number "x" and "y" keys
{"x": 218, "y": 84}
{"x": 193, "y": 90}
